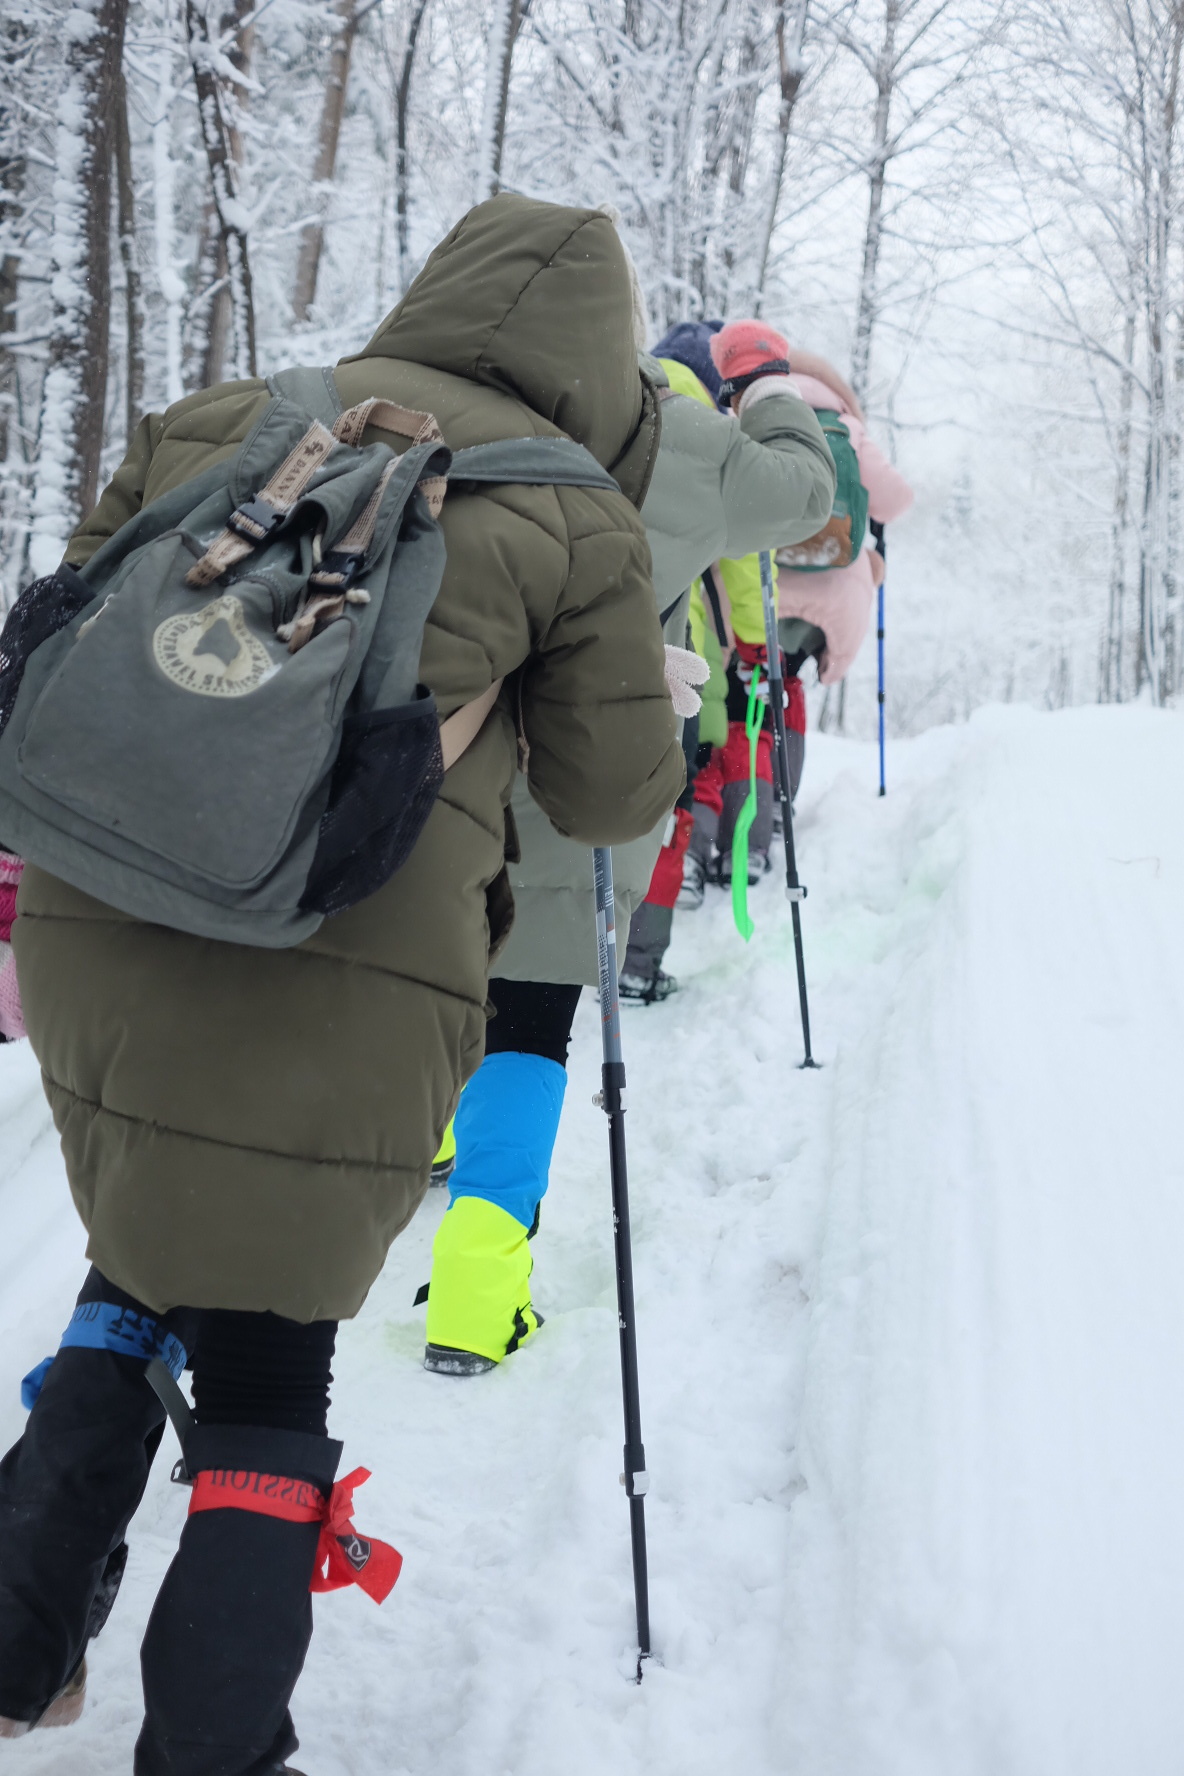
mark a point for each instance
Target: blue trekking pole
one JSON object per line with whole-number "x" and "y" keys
{"x": 611, "y": 1099}
{"x": 877, "y": 531}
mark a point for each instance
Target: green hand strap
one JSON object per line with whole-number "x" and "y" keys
{"x": 754, "y": 716}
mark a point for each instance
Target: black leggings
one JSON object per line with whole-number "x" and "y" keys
{"x": 248, "y": 1368}
{"x": 533, "y": 1017}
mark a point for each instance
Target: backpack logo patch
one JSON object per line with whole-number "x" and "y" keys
{"x": 211, "y": 652}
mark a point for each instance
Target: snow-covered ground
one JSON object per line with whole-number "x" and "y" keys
{"x": 912, "y": 1332}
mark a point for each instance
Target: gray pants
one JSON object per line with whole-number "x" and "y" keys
{"x": 649, "y": 939}
{"x": 760, "y": 833}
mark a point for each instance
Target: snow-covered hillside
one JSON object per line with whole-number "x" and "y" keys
{"x": 912, "y": 1332}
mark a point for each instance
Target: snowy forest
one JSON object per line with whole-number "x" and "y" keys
{"x": 974, "y": 210}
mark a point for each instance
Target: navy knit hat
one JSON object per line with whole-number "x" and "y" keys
{"x": 689, "y": 343}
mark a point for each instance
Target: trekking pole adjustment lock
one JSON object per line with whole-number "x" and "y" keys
{"x": 797, "y": 892}
{"x": 612, "y": 1095}
{"x": 640, "y": 1486}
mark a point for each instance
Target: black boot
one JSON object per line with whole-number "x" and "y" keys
{"x": 230, "y": 1628}
{"x": 68, "y": 1490}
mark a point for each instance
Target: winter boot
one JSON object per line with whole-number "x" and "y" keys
{"x": 61, "y": 1711}
{"x": 758, "y": 866}
{"x": 649, "y": 939}
{"x": 68, "y": 1490}
{"x": 760, "y": 833}
{"x": 694, "y": 884}
{"x": 230, "y": 1627}
{"x": 649, "y": 989}
{"x": 479, "y": 1307}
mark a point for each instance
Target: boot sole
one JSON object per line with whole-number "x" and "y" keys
{"x": 63, "y": 1711}
{"x": 441, "y": 1359}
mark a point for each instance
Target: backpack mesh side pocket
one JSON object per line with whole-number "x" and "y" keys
{"x": 387, "y": 776}
{"x": 41, "y": 611}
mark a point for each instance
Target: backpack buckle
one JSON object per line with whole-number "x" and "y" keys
{"x": 256, "y": 519}
{"x": 338, "y": 569}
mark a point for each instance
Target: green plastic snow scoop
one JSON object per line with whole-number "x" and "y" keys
{"x": 753, "y": 718}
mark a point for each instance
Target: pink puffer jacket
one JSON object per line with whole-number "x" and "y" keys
{"x": 12, "y": 1022}
{"x": 840, "y": 600}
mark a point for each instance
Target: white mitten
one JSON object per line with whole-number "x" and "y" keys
{"x": 685, "y": 670}
{"x": 777, "y": 384}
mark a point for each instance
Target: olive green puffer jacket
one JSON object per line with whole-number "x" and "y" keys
{"x": 251, "y": 1128}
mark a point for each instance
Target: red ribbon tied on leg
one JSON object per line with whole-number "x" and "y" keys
{"x": 344, "y": 1557}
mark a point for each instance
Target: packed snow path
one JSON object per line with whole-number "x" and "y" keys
{"x": 912, "y": 1333}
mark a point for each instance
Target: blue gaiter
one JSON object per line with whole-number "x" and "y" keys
{"x": 506, "y": 1126}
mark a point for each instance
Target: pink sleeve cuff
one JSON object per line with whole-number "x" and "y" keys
{"x": 12, "y": 1020}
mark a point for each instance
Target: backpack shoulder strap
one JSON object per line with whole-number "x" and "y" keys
{"x": 531, "y": 462}
{"x": 311, "y": 387}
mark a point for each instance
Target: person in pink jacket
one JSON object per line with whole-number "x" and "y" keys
{"x": 839, "y": 600}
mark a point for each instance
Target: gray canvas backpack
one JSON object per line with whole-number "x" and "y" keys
{"x": 216, "y": 724}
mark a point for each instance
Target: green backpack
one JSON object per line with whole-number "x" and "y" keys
{"x": 841, "y": 538}
{"x": 216, "y": 725}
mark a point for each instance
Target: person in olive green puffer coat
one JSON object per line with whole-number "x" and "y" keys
{"x": 246, "y": 1131}
{"x": 286, "y": 1059}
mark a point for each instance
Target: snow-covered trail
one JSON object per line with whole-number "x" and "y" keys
{"x": 912, "y": 1334}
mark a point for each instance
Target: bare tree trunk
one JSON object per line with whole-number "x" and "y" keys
{"x": 1110, "y": 686}
{"x": 224, "y": 153}
{"x": 12, "y": 185}
{"x": 168, "y": 278}
{"x": 1158, "y": 614}
{"x": 723, "y": 294}
{"x": 12, "y": 179}
{"x": 866, "y": 311}
{"x": 133, "y": 302}
{"x": 1167, "y": 216}
{"x": 503, "y": 33}
{"x": 402, "y": 166}
{"x": 312, "y": 238}
{"x": 791, "y": 67}
{"x": 74, "y": 396}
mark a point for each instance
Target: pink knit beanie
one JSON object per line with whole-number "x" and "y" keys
{"x": 744, "y": 346}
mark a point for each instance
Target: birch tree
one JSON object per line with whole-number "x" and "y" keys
{"x": 312, "y": 239}
{"x": 1100, "y": 176}
{"x": 70, "y": 440}
{"x": 505, "y": 24}
{"x": 792, "y": 18}
{"x": 919, "y": 56}
{"x": 169, "y": 281}
{"x": 402, "y": 159}
{"x": 133, "y": 308}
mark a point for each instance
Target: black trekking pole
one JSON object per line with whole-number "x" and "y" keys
{"x": 611, "y": 1100}
{"x": 877, "y": 531}
{"x": 794, "y": 892}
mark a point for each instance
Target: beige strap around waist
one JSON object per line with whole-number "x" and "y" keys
{"x": 461, "y": 729}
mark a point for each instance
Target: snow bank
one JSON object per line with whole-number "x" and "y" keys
{"x": 911, "y": 1332}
